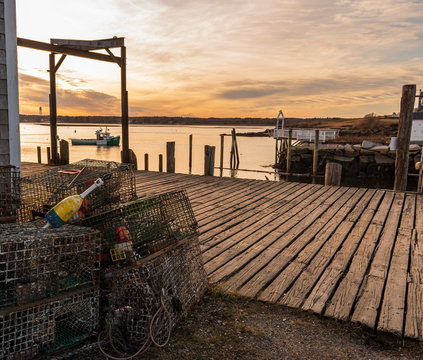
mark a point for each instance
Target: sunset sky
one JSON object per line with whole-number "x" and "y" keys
{"x": 227, "y": 58}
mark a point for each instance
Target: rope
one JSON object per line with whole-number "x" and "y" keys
{"x": 154, "y": 319}
{"x": 154, "y": 331}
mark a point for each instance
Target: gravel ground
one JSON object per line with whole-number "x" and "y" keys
{"x": 229, "y": 327}
{"x": 223, "y": 326}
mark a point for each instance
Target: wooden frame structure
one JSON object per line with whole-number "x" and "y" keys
{"x": 84, "y": 49}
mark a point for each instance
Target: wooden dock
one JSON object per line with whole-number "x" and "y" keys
{"x": 352, "y": 254}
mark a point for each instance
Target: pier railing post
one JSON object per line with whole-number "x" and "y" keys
{"x": 403, "y": 137}
{"x": 170, "y": 157}
{"x": 209, "y": 152}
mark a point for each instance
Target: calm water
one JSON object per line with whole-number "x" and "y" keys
{"x": 256, "y": 153}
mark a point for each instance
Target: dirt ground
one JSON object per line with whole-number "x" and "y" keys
{"x": 223, "y": 326}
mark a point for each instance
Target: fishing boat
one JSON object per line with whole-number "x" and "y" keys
{"x": 102, "y": 138}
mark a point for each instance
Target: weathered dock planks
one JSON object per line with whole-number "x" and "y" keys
{"x": 346, "y": 253}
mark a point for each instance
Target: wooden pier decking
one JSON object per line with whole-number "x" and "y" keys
{"x": 348, "y": 253}
{"x": 352, "y": 254}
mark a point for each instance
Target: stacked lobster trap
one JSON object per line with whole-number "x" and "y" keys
{"x": 153, "y": 273}
{"x": 41, "y": 191}
{"x": 135, "y": 264}
{"x": 10, "y": 193}
{"x": 48, "y": 288}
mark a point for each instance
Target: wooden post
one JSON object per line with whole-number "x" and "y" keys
{"x": 160, "y": 163}
{"x": 170, "y": 157}
{"x": 146, "y": 162}
{"x": 222, "y": 143}
{"x": 39, "y": 154}
{"x": 288, "y": 152}
{"x": 209, "y": 152}
{"x": 403, "y": 137}
{"x": 420, "y": 182}
{"x": 316, "y": 152}
{"x": 48, "y": 156}
{"x": 333, "y": 174}
{"x": 124, "y": 106}
{"x": 53, "y": 110}
{"x": 232, "y": 160}
{"x": 190, "y": 154}
{"x": 64, "y": 152}
{"x": 132, "y": 158}
{"x": 236, "y": 150}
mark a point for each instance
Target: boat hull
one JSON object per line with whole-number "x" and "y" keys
{"x": 112, "y": 141}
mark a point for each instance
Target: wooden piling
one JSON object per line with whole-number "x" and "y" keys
{"x": 222, "y": 143}
{"x": 289, "y": 152}
{"x": 403, "y": 137}
{"x": 146, "y": 162}
{"x": 48, "y": 155}
{"x": 419, "y": 166}
{"x": 333, "y": 174}
{"x": 190, "y": 154}
{"x": 170, "y": 157}
{"x": 39, "y": 154}
{"x": 160, "y": 163}
{"x": 132, "y": 158}
{"x": 234, "y": 151}
{"x": 209, "y": 152}
{"x": 316, "y": 152}
{"x": 64, "y": 152}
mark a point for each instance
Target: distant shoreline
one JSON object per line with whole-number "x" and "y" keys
{"x": 157, "y": 120}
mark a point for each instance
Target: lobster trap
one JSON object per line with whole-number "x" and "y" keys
{"x": 142, "y": 227}
{"x": 49, "y": 325}
{"x": 40, "y": 192}
{"x": 149, "y": 297}
{"x": 37, "y": 263}
{"x": 10, "y": 193}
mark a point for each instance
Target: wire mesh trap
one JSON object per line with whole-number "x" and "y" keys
{"x": 37, "y": 263}
{"x": 149, "y": 297}
{"x": 10, "y": 193}
{"x": 40, "y": 192}
{"x": 49, "y": 325}
{"x": 145, "y": 226}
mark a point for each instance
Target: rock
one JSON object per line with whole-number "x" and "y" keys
{"x": 366, "y": 151}
{"x": 382, "y": 159}
{"x": 329, "y": 147}
{"x": 367, "y": 144}
{"x": 383, "y": 149}
{"x": 344, "y": 159}
{"x": 365, "y": 159}
{"x": 357, "y": 147}
{"x": 414, "y": 147}
{"x": 349, "y": 149}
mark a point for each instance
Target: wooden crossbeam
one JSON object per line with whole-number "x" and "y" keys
{"x": 60, "y": 49}
{"x": 90, "y": 44}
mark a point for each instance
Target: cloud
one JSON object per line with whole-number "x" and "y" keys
{"x": 34, "y": 92}
{"x": 236, "y": 57}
